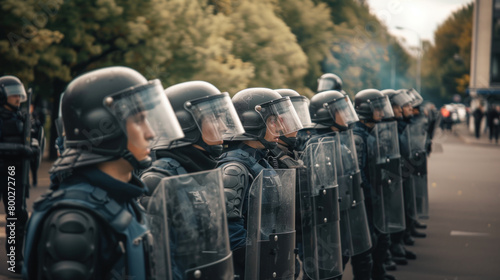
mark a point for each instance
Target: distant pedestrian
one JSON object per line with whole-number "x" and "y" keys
{"x": 478, "y": 116}
{"x": 494, "y": 122}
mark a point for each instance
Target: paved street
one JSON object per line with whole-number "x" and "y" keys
{"x": 463, "y": 241}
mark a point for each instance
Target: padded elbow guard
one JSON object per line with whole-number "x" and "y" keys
{"x": 235, "y": 177}
{"x": 68, "y": 248}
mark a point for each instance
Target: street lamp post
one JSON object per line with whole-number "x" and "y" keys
{"x": 419, "y": 56}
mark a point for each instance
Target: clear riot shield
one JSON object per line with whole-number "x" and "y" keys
{"x": 322, "y": 256}
{"x": 418, "y": 161}
{"x": 189, "y": 228}
{"x": 385, "y": 176}
{"x": 355, "y": 233}
{"x": 406, "y": 171}
{"x": 271, "y": 226}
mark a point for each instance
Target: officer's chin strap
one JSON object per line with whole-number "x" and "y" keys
{"x": 213, "y": 150}
{"x": 138, "y": 165}
{"x": 289, "y": 141}
{"x": 340, "y": 127}
{"x": 268, "y": 145}
{"x": 14, "y": 108}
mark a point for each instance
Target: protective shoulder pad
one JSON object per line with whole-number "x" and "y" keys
{"x": 69, "y": 245}
{"x": 159, "y": 169}
{"x": 235, "y": 177}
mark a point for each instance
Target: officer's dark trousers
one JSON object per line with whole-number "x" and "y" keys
{"x": 13, "y": 197}
{"x": 382, "y": 243}
{"x": 239, "y": 257}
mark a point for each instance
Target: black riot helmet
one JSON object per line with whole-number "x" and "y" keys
{"x": 101, "y": 109}
{"x": 416, "y": 97}
{"x": 329, "y": 81}
{"x": 300, "y": 103}
{"x": 372, "y": 106}
{"x": 332, "y": 108}
{"x": 260, "y": 108}
{"x": 10, "y": 86}
{"x": 397, "y": 97}
{"x": 206, "y": 115}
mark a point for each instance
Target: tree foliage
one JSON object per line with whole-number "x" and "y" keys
{"x": 232, "y": 44}
{"x": 446, "y": 64}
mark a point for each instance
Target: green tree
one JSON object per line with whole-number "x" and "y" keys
{"x": 446, "y": 64}
{"x": 264, "y": 40}
{"x": 311, "y": 25}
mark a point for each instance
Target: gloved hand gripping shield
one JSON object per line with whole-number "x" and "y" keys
{"x": 189, "y": 228}
{"x": 271, "y": 226}
{"x": 280, "y": 116}
{"x": 385, "y": 173}
{"x": 145, "y": 108}
{"x": 216, "y": 117}
{"x": 418, "y": 161}
{"x": 322, "y": 257}
{"x": 355, "y": 233}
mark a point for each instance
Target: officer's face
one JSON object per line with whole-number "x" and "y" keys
{"x": 211, "y": 131}
{"x": 398, "y": 111}
{"x": 407, "y": 111}
{"x": 339, "y": 119}
{"x": 273, "y": 129}
{"x": 14, "y": 100}
{"x": 378, "y": 114}
{"x": 139, "y": 134}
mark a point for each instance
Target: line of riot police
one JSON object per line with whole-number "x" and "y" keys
{"x": 188, "y": 183}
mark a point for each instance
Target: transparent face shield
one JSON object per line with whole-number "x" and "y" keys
{"x": 145, "y": 114}
{"x": 12, "y": 90}
{"x": 342, "y": 111}
{"x": 401, "y": 99}
{"x": 279, "y": 116}
{"x": 381, "y": 108}
{"x": 325, "y": 84}
{"x": 301, "y": 105}
{"x": 415, "y": 96}
{"x": 216, "y": 117}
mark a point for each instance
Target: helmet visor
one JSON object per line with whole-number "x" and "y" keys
{"x": 301, "y": 105}
{"x": 145, "y": 109}
{"x": 325, "y": 84}
{"x": 381, "y": 108}
{"x": 342, "y": 111}
{"x": 279, "y": 116}
{"x": 401, "y": 99}
{"x": 216, "y": 117}
{"x": 12, "y": 90}
{"x": 416, "y": 97}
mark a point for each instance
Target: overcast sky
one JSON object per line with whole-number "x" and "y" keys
{"x": 421, "y": 16}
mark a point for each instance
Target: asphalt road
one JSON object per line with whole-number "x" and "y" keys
{"x": 463, "y": 234}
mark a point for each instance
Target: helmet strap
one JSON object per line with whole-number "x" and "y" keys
{"x": 128, "y": 156}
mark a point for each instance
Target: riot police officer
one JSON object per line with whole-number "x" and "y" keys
{"x": 372, "y": 107}
{"x": 252, "y": 187}
{"x": 207, "y": 117}
{"x": 401, "y": 105}
{"x": 15, "y": 152}
{"x": 333, "y": 115}
{"x": 421, "y": 144}
{"x": 285, "y": 156}
{"x": 91, "y": 227}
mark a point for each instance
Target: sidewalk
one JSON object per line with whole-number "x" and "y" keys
{"x": 461, "y": 131}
